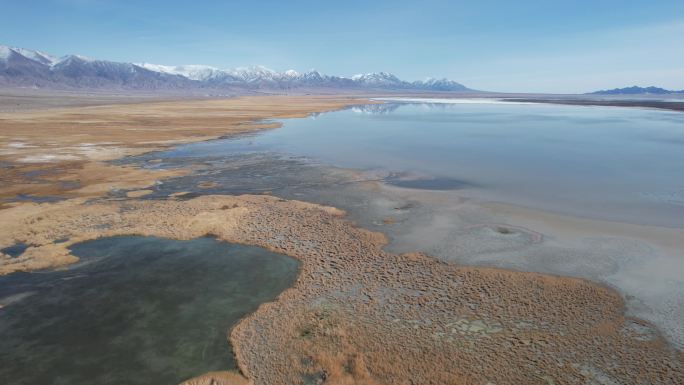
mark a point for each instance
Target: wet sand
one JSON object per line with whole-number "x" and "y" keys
{"x": 357, "y": 313}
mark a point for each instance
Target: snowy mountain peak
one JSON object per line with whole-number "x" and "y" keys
{"x": 377, "y": 79}
{"x": 5, "y": 52}
{"x": 254, "y": 71}
{"x": 43, "y": 58}
{"x": 191, "y": 71}
{"x": 313, "y": 74}
{"x": 37, "y": 56}
{"x": 72, "y": 58}
{"x": 443, "y": 84}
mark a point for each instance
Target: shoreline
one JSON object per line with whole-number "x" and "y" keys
{"x": 651, "y": 104}
{"x": 286, "y": 229}
{"x": 641, "y": 262}
{"x": 64, "y": 151}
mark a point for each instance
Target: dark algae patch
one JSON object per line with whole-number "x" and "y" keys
{"x": 138, "y": 310}
{"x": 15, "y": 250}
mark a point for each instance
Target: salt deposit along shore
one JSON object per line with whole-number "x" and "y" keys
{"x": 357, "y": 313}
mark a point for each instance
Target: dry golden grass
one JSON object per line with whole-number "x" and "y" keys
{"x": 42, "y": 149}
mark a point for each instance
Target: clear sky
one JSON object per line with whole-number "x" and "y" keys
{"x": 526, "y": 46}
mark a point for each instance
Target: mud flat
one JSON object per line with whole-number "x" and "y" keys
{"x": 642, "y": 262}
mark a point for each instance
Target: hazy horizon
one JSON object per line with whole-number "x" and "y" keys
{"x": 550, "y": 47}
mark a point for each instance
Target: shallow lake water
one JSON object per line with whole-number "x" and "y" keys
{"x": 135, "y": 310}
{"x": 621, "y": 164}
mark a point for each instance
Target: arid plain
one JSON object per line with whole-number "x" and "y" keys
{"x": 357, "y": 313}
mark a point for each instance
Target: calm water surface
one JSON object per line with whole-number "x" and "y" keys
{"x": 622, "y": 164}
{"x": 136, "y": 310}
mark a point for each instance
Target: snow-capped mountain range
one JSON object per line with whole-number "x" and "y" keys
{"x": 29, "y": 68}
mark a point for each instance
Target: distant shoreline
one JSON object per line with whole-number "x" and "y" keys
{"x": 663, "y": 105}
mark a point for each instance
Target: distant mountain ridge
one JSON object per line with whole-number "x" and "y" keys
{"x": 634, "y": 90}
{"x": 29, "y": 68}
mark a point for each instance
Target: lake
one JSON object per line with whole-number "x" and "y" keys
{"x": 618, "y": 164}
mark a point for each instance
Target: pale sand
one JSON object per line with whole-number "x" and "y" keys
{"x": 646, "y": 262}
{"x": 669, "y": 241}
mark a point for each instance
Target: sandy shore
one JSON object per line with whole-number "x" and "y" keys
{"x": 357, "y": 313}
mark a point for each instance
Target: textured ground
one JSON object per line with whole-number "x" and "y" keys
{"x": 358, "y": 314}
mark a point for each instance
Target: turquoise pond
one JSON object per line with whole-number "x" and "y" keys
{"x": 135, "y": 310}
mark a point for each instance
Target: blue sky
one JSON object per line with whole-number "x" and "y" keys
{"x": 525, "y": 46}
